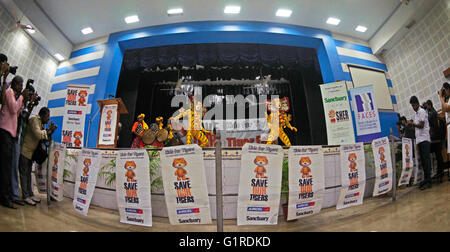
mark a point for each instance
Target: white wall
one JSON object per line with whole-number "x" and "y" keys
{"x": 417, "y": 62}
{"x": 33, "y": 61}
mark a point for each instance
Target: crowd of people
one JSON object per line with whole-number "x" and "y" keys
{"x": 430, "y": 131}
{"x": 20, "y": 136}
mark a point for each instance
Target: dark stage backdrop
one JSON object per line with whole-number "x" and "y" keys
{"x": 145, "y": 71}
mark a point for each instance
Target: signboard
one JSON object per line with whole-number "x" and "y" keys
{"x": 306, "y": 181}
{"x": 185, "y": 186}
{"x": 337, "y": 113}
{"x": 86, "y": 178}
{"x": 407, "y": 162}
{"x": 367, "y": 119}
{"x": 133, "y": 187}
{"x": 75, "y": 115}
{"x": 56, "y": 156}
{"x": 108, "y": 122}
{"x": 353, "y": 176}
{"x": 383, "y": 166}
{"x": 260, "y": 184}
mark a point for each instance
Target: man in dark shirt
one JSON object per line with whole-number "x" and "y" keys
{"x": 406, "y": 130}
{"x": 436, "y": 137}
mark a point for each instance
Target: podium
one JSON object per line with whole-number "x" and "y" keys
{"x": 110, "y": 111}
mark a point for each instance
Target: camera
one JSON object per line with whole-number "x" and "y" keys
{"x": 32, "y": 91}
{"x": 13, "y": 70}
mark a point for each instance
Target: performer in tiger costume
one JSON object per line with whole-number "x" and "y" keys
{"x": 278, "y": 110}
{"x": 138, "y": 129}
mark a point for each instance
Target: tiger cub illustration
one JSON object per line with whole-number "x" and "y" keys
{"x": 180, "y": 172}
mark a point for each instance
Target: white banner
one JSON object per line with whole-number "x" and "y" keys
{"x": 383, "y": 166}
{"x": 419, "y": 175}
{"x": 365, "y": 108}
{"x": 338, "y": 116}
{"x": 353, "y": 175}
{"x": 108, "y": 122}
{"x": 75, "y": 115}
{"x": 41, "y": 176}
{"x": 86, "y": 178}
{"x": 407, "y": 161}
{"x": 133, "y": 187}
{"x": 260, "y": 184}
{"x": 306, "y": 181}
{"x": 56, "y": 156}
{"x": 185, "y": 188}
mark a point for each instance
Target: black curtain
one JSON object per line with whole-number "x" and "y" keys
{"x": 145, "y": 71}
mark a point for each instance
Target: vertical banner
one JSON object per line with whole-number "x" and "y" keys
{"x": 108, "y": 122}
{"x": 306, "y": 181}
{"x": 87, "y": 171}
{"x": 75, "y": 110}
{"x": 367, "y": 119}
{"x": 56, "y": 156}
{"x": 337, "y": 113}
{"x": 41, "y": 176}
{"x": 419, "y": 175}
{"x": 133, "y": 187}
{"x": 260, "y": 184}
{"x": 353, "y": 175}
{"x": 383, "y": 166}
{"x": 185, "y": 188}
{"x": 407, "y": 162}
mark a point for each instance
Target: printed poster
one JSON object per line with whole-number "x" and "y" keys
{"x": 108, "y": 122}
{"x": 74, "y": 115}
{"x": 86, "y": 178}
{"x": 353, "y": 176}
{"x": 133, "y": 187}
{"x": 407, "y": 162}
{"x": 367, "y": 119}
{"x": 306, "y": 181}
{"x": 260, "y": 184}
{"x": 185, "y": 188}
{"x": 56, "y": 156}
{"x": 419, "y": 175}
{"x": 383, "y": 166}
{"x": 41, "y": 176}
{"x": 337, "y": 113}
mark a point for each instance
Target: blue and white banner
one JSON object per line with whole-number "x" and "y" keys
{"x": 365, "y": 109}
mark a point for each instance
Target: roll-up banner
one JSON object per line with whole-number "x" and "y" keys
{"x": 407, "y": 162}
{"x": 185, "y": 188}
{"x": 56, "y": 156}
{"x": 306, "y": 181}
{"x": 337, "y": 113}
{"x": 87, "y": 171}
{"x": 260, "y": 184}
{"x": 353, "y": 175}
{"x": 108, "y": 122}
{"x": 75, "y": 110}
{"x": 133, "y": 187}
{"x": 367, "y": 119}
{"x": 419, "y": 175}
{"x": 41, "y": 176}
{"x": 383, "y": 166}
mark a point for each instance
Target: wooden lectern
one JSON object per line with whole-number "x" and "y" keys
{"x": 108, "y": 129}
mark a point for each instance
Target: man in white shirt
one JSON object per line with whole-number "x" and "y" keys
{"x": 423, "y": 141}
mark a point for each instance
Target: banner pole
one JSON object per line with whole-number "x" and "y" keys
{"x": 394, "y": 168}
{"x": 219, "y": 193}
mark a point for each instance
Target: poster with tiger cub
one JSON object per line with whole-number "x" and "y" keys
{"x": 133, "y": 187}
{"x": 56, "y": 156}
{"x": 353, "y": 175}
{"x": 184, "y": 181}
{"x": 260, "y": 184}
{"x": 306, "y": 181}
{"x": 87, "y": 168}
{"x": 408, "y": 161}
{"x": 383, "y": 166}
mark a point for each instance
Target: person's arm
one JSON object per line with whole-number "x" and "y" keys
{"x": 445, "y": 106}
{"x": 422, "y": 118}
{"x": 36, "y": 130}
{"x": 11, "y": 103}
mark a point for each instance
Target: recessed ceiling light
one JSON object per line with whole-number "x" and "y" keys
{"x": 31, "y": 31}
{"x": 333, "y": 21}
{"x": 361, "y": 28}
{"x": 232, "y": 9}
{"x": 132, "y": 19}
{"x": 283, "y": 13}
{"x": 87, "y": 30}
{"x": 59, "y": 57}
{"x": 176, "y": 11}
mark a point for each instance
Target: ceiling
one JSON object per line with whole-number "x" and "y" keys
{"x": 107, "y": 16}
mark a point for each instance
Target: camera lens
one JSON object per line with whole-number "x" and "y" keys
{"x": 13, "y": 70}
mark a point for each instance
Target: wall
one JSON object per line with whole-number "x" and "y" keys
{"x": 98, "y": 62}
{"x": 33, "y": 61}
{"x": 417, "y": 62}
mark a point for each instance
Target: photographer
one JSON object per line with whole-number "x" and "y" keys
{"x": 35, "y": 132}
{"x": 13, "y": 102}
{"x": 444, "y": 95}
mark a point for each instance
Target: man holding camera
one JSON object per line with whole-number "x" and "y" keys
{"x": 444, "y": 95}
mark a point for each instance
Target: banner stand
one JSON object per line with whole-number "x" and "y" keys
{"x": 394, "y": 167}
{"x": 219, "y": 196}
{"x": 48, "y": 174}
